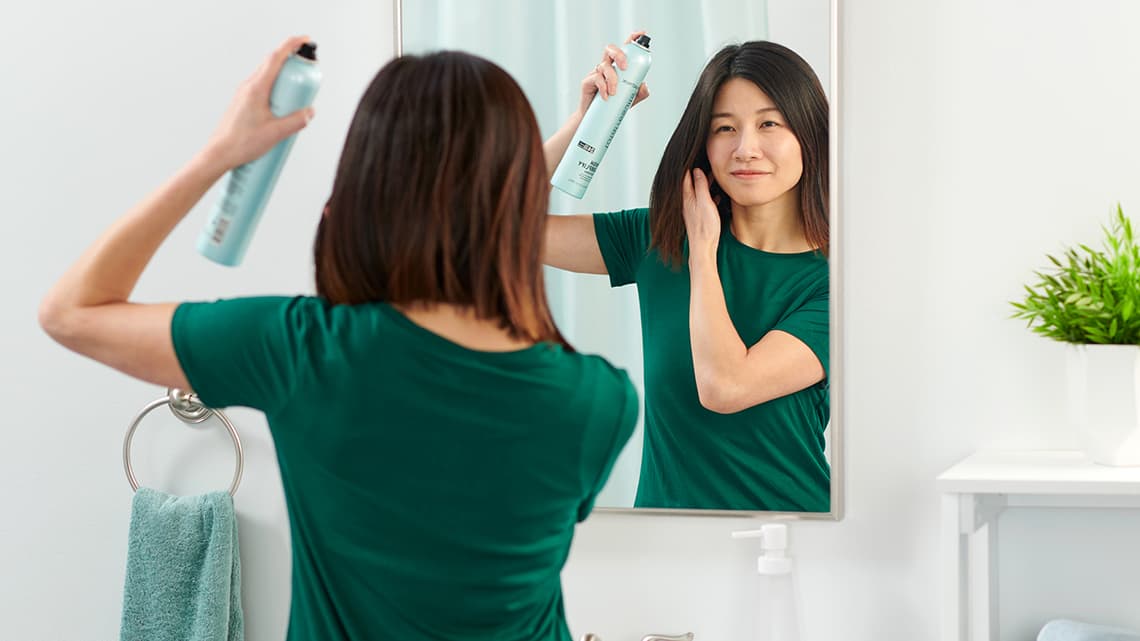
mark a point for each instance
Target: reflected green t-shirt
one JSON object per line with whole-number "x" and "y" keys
{"x": 432, "y": 489}
{"x": 767, "y": 457}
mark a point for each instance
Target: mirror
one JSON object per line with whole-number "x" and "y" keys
{"x": 549, "y": 48}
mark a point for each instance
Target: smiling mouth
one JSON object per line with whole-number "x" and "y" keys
{"x": 750, "y": 174}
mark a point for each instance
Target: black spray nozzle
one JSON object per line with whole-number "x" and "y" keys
{"x": 643, "y": 40}
{"x": 308, "y": 51}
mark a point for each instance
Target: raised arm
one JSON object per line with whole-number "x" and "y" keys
{"x": 571, "y": 242}
{"x": 730, "y": 375}
{"x": 88, "y": 311}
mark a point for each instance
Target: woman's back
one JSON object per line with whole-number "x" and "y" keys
{"x": 432, "y": 489}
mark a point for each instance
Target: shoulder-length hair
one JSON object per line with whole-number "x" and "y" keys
{"x": 441, "y": 196}
{"x": 790, "y": 82}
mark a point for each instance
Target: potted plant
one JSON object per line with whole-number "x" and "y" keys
{"x": 1090, "y": 299}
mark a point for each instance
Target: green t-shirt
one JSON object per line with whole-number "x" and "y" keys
{"x": 767, "y": 457}
{"x": 432, "y": 489}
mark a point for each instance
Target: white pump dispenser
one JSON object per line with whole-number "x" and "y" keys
{"x": 777, "y": 609}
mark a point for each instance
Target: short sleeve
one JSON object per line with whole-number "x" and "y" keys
{"x": 623, "y": 237}
{"x": 240, "y": 352}
{"x": 811, "y": 323}
{"x": 628, "y": 408}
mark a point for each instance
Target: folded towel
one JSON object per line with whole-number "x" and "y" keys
{"x": 1066, "y": 630}
{"x": 183, "y": 569}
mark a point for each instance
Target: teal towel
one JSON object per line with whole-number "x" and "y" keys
{"x": 1066, "y": 630}
{"x": 183, "y": 569}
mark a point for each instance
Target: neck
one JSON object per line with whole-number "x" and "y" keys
{"x": 460, "y": 325}
{"x": 775, "y": 227}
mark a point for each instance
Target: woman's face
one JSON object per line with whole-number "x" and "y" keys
{"x": 755, "y": 157}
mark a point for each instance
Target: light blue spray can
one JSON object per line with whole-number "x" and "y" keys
{"x": 600, "y": 123}
{"x": 246, "y": 188}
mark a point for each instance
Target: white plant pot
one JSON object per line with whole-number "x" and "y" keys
{"x": 1104, "y": 401}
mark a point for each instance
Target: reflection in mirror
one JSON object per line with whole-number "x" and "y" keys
{"x": 731, "y": 353}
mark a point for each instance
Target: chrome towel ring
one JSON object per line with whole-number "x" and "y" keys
{"x": 186, "y": 406}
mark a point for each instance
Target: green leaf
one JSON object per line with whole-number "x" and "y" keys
{"x": 1087, "y": 295}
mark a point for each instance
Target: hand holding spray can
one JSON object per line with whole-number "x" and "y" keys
{"x": 598, "y": 126}
{"x": 246, "y": 188}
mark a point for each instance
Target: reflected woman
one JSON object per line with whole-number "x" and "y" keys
{"x": 438, "y": 439}
{"x": 730, "y": 263}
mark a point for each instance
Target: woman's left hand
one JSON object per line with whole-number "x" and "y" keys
{"x": 249, "y": 129}
{"x": 702, "y": 219}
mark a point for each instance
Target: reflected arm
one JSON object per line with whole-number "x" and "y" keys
{"x": 555, "y": 146}
{"x": 571, "y": 242}
{"x": 731, "y": 376}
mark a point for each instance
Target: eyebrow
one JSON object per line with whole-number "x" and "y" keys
{"x": 759, "y": 111}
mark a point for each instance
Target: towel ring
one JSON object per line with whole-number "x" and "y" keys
{"x": 186, "y": 406}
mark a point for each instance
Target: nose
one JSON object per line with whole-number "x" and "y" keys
{"x": 748, "y": 147}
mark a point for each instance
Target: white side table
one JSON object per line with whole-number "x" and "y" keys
{"x": 974, "y": 493}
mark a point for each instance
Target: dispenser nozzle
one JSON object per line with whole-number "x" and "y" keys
{"x": 773, "y": 536}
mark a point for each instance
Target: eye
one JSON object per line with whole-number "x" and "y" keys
{"x": 723, "y": 128}
{"x": 769, "y": 123}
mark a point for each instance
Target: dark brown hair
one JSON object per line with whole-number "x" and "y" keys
{"x": 790, "y": 82}
{"x": 441, "y": 196}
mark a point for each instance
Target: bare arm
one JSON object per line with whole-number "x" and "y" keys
{"x": 555, "y": 146}
{"x": 730, "y": 375}
{"x": 572, "y": 244}
{"x": 88, "y": 311}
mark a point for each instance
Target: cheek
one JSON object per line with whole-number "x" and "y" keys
{"x": 718, "y": 153}
{"x": 793, "y": 159}
{"x": 798, "y": 169}
{"x": 717, "y": 148}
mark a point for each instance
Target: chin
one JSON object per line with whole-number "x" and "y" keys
{"x": 758, "y": 195}
{"x": 753, "y": 199}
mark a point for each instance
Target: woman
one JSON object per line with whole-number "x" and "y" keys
{"x": 438, "y": 439}
{"x": 730, "y": 262}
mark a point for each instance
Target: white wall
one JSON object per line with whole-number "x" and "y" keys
{"x": 978, "y": 134}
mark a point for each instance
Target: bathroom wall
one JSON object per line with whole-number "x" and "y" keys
{"x": 977, "y": 135}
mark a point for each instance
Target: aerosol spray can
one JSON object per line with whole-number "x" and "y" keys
{"x": 598, "y": 126}
{"x": 246, "y": 189}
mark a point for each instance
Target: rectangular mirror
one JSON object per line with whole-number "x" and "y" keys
{"x": 761, "y": 465}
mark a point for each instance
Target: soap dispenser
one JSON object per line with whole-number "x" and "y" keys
{"x": 776, "y": 610}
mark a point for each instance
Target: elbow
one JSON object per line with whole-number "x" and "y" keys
{"x": 48, "y": 316}
{"x": 54, "y": 319}
{"x": 718, "y": 395}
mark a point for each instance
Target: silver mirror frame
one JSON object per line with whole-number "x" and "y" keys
{"x": 836, "y": 442}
